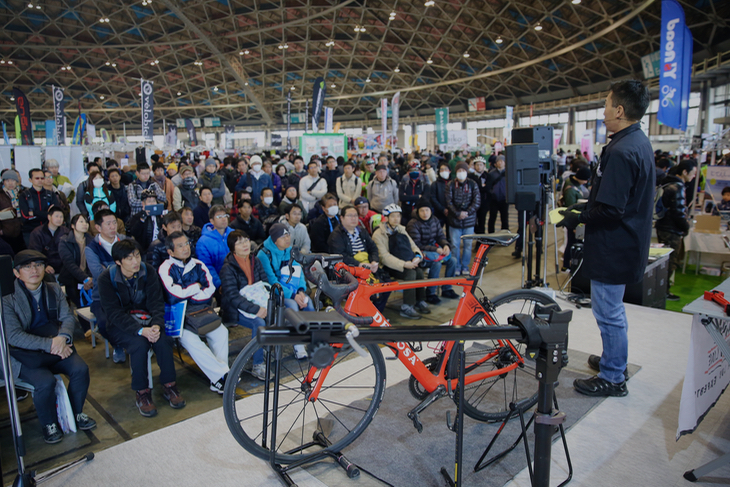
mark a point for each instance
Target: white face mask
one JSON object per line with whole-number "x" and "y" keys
{"x": 461, "y": 175}
{"x": 332, "y": 210}
{"x": 268, "y": 200}
{"x": 98, "y": 183}
{"x": 257, "y": 167}
{"x": 445, "y": 174}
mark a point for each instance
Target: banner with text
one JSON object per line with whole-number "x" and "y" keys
{"x": 147, "y": 108}
{"x": 59, "y": 116}
{"x": 328, "y": 122}
{"x": 442, "y": 119}
{"x": 676, "y": 68}
{"x": 384, "y": 120}
{"x": 23, "y": 108}
{"x": 396, "y": 108}
{"x": 192, "y": 136}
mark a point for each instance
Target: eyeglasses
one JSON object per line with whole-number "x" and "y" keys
{"x": 220, "y": 217}
{"x": 33, "y": 266}
{"x": 182, "y": 245}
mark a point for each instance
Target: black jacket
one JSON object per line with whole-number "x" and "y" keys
{"x": 119, "y": 301}
{"x": 232, "y": 281}
{"x": 462, "y": 197}
{"x": 427, "y": 234}
{"x": 253, "y": 228}
{"x": 47, "y": 244}
{"x": 331, "y": 177}
{"x": 68, "y": 249}
{"x": 675, "y": 216}
{"x": 410, "y": 192}
{"x": 201, "y": 214}
{"x": 339, "y": 243}
{"x": 438, "y": 198}
{"x": 320, "y": 230}
{"x": 120, "y": 196}
{"x": 143, "y": 231}
{"x": 157, "y": 251}
{"x": 33, "y": 206}
{"x": 484, "y": 182}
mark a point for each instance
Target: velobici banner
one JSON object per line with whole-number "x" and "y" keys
{"x": 147, "y": 109}
{"x": 675, "y": 68}
{"x": 58, "y": 115}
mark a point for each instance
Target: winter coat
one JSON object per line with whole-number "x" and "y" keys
{"x": 134, "y": 192}
{"x": 427, "y": 235}
{"x": 68, "y": 249}
{"x": 200, "y": 214}
{"x": 319, "y": 190}
{"x": 233, "y": 279}
{"x": 33, "y": 206}
{"x": 12, "y": 227}
{"x": 348, "y": 190}
{"x": 118, "y": 300}
{"x": 339, "y": 243}
{"x": 273, "y": 260}
{"x": 299, "y": 235}
{"x": 97, "y": 260}
{"x": 381, "y": 237}
{"x": 121, "y": 197}
{"x": 46, "y": 243}
{"x": 217, "y": 185}
{"x": 249, "y": 182}
{"x": 98, "y": 194}
{"x": 253, "y": 228}
{"x": 438, "y": 198}
{"x": 673, "y": 199}
{"x": 142, "y": 227}
{"x": 462, "y": 197}
{"x": 411, "y": 191}
{"x": 212, "y": 249}
{"x": 179, "y": 279}
{"x": 18, "y": 317}
{"x": 320, "y": 230}
{"x": 382, "y": 194}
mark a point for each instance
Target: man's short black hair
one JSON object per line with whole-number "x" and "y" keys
{"x": 298, "y": 157}
{"x": 685, "y": 165}
{"x": 98, "y": 206}
{"x": 266, "y": 189}
{"x": 157, "y": 165}
{"x": 35, "y": 169}
{"x": 330, "y": 157}
{"x": 633, "y": 96}
{"x": 726, "y": 190}
{"x": 203, "y": 188}
{"x": 90, "y": 165}
{"x": 233, "y": 238}
{"x": 289, "y": 208}
{"x": 101, "y": 214}
{"x": 216, "y": 209}
{"x": 54, "y": 209}
{"x": 184, "y": 209}
{"x": 170, "y": 240}
{"x": 171, "y": 216}
{"x": 243, "y": 201}
{"x": 113, "y": 170}
{"x": 343, "y": 210}
{"x": 124, "y": 248}
{"x": 142, "y": 165}
{"x": 312, "y": 162}
{"x": 663, "y": 163}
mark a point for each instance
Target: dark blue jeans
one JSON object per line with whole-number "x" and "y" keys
{"x": 137, "y": 347}
{"x": 610, "y": 313}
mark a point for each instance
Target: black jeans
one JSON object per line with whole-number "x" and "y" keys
{"x": 137, "y": 347}
{"x": 502, "y": 208}
{"x": 42, "y": 379}
{"x": 410, "y": 296}
{"x": 100, "y": 316}
{"x": 482, "y": 213}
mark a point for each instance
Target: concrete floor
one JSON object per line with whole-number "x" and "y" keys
{"x": 112, "y": 402}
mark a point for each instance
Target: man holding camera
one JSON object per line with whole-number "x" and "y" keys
{"x": 146, "y": 225}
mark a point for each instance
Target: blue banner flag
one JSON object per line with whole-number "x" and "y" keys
{"x": 79, "y": 129}
{"x": 5, "y": 135}
{"x": 675, "y": 68}
{"x": 192, "y": 135}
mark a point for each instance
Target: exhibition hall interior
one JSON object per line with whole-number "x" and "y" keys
{"x": 365, "y": 243}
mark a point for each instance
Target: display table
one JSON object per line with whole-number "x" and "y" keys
{"x": 707, "y": 374}
{"x": 704, "y": 243}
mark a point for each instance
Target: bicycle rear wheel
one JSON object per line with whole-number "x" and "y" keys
{"x": 488, "y": 399}
{"x": 348, "y": 400}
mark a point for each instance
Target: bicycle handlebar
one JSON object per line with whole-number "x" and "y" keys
{"x": 335, "y": 291}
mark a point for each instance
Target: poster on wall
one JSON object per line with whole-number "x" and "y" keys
{"x": 457, "y": 140}
{"x": 323, "y": 145}
{"x": 716, "y": 179}
{"x": 586, "y": 144}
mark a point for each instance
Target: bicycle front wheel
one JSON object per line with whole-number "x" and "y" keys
{"x": 488, "y": 397}
{"x": 348, "y": 399}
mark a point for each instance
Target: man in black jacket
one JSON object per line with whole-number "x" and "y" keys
{"x": 481, "y": 177}
{"x": 119, "y": 191}
{"x": 618, "y": 219}
{"x": 322, "y": 226}
{"x": 438, "y": 193}
{"x": 144, "y": 227}
{"x": 413, "y": 187}
{"x": 352, "y": 242}
{"x": 46, "y": 239}
{"x": 330, "y": 174}
{"x": 674, "y": 224}
{"x": 132, "y": 298}
{"x": 245, "y": 221}
{"x": 34, "y": 203}
{"x": 157, "y": 252}
{"x": 426, "y": 232}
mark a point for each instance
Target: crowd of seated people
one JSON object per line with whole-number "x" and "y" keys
{"x": 127, "y": 242}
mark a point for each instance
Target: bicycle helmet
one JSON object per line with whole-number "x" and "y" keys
{"x": 392, "y": 209}
{"x": 480, "y": 159}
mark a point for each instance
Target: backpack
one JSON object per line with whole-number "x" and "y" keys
{"x": 660, "y": 210}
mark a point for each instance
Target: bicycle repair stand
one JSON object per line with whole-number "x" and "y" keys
{"x": 545, "y": 334}
{"x": 24, "y": 478}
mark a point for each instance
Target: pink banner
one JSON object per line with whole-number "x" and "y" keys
{"x": 384, "y": 118}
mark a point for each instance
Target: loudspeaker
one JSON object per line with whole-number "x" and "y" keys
{"x": 7, "y": 278}
{"x": 543, "y": 137}
{"x": 522, "y": 171}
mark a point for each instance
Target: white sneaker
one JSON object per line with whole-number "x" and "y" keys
{"x": 259, "y": 371}
{"x": 300, "y": 352}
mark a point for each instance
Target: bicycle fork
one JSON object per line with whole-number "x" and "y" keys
{"x": 437, "y": 394}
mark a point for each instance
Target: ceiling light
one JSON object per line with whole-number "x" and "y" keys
{"x": 30, "y": 5}
{"x": 293, "y": 88}
{"x": 281, "y": 46}
{"x": 429, "y": 61}
{"x": 101, "y": 97}
{"x": 246, "y": 83}
{"x": 198, "y": 62}
{"x": 38, "y": 7}
{"x": 499, "y": 40}
{"x": 330, "y": 43}
{"x": 12, "y": 98}
{"x": 2, "y": 62}
{"x": 367, "y": 80}
{"x": 333, "y": 85}
{"x": 538, "y": 27}
{"x": 466, "y": 54}
{"x": 104, "y": 20}
{"x": 63, "y": 68}
{"x": 215, "y": 88}
{"x": 359, "y": 29}
{"x": 397, "y": 69}
{"x": 246, "y": 51}
{"x": 392, "y": 15}
{"x": 114, "y": 65}
{"x": 10, "y": 62}
{"x": 178, "y": 93}
{"x": 576, "y": 2}
{"x": 240, "y": 53}
{"x": 430, "y": 3}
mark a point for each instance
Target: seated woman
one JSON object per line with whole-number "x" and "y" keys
{"x": 241, "y": 269}
{"x": 72, "y": 250}
{"x": 97, "y": 190}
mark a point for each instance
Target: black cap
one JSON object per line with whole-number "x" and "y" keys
{"x": 27, "y": 256}
{"x": 360, "y": 200}
{"x": 381, "y": 166}
{"x": 583, "y": 173}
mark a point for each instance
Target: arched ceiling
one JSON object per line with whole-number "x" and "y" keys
{"x": 238, "y": 59}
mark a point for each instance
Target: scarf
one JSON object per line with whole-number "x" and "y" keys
{"x": 245, "y": 264}
{"x": 160, "y": 181}
{"x": 13, "y": 194}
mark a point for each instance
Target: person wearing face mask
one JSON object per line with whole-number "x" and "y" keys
{"x": 438, "y": 194}
{"x": 256, "y": 180}
{"x": 291, "y": 197}
{"x": 266, "y": 211}
{"x": 322, "y": 226}
{"x": 11, "y": 224}
{"x": 481, "y": 177}
{"x": 462, "y": 201}
{"x": 187, "y": 193}
{"x": 213, "y": 180}
{"x": 413, "y": 187}
{"x": 97, "y": 190}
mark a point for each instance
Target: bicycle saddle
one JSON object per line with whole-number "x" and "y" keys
{"x": 502, "y": 238}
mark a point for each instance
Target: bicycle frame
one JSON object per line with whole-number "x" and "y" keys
{"x": 358, "y": 304}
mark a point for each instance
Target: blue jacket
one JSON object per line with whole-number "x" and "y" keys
{"x": 179, "y": 281}
{"x": 272, "y": 266}
{"x": 212, "y": 249}
{"x": 97, "y": 260}
{"x": 256, "y": 185}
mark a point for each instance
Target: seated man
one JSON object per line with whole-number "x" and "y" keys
{"x": 246, "y": 222}
{"x": 98, "y": 257}
{"x": 189, "y": 228}
{"x": 364, "y": 212}
{"x": 266, "y": 209}
{"x": 274, "y": 257}
{"x": 101, "y": 205}
{"x": 299, "y": 236}
{"x": 187, "y": 279}
{"x": 132, "y": 297}
{"x": 321, "y": 227}
{"x": 426, "y": 232}
{"x": 400, "y": 256}
{"x": 39, "y": 328}
{"x": 46, "y": 238}
{"x": 201, "y": 212}
{"x": 213, "y": 247}
{"x": 157, "y": 253}
{"x": 142, "y": 226}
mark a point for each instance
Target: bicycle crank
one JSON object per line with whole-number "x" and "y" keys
{"x": 437, "y": 394}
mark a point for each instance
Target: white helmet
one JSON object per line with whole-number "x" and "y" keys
{"x": 392, "y": 209}
{"x": 480, "y": 159}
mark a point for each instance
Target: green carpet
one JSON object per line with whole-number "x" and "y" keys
{"x": 690, "y": 287}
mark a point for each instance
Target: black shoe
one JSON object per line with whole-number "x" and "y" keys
{"x": 517, "y": 254}
{"x": 52, "y": 434}
{"x": 672, "y": 297}
{"x": 432, "y": 299}
{"x": 597, "y": 387}
{"x": 594, "y": 362}
{"x": 449, "y": 294}
{"x": 84, "y": 423}
{"x": 422, "y": 308}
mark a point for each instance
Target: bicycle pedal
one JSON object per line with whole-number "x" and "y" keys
{"x": 413, "y": 416}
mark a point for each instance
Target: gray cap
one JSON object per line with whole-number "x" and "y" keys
{"x": 10, "y": 174}
{"x": 211, "y": 162}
